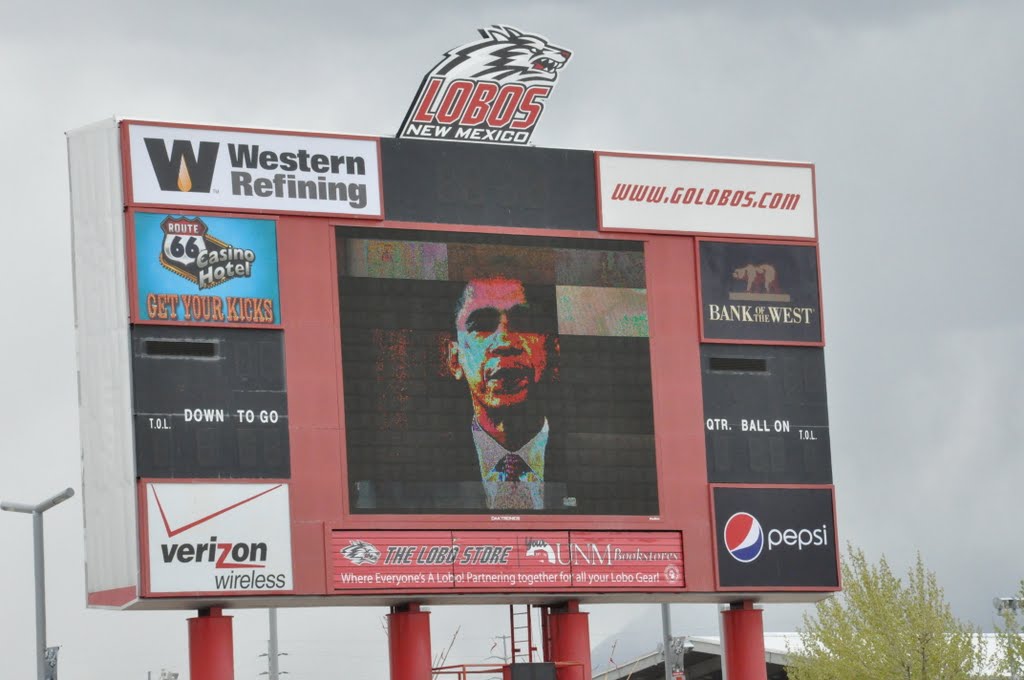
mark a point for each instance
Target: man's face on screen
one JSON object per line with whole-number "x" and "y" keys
{"x": 502, "y": 345}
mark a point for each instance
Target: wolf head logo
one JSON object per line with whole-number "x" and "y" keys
{"x": 505, "y": 55}
{"x": 360, "y": 552}
{"x": 537, "y": 545}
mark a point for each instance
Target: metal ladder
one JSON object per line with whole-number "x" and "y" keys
{"x": 521, "y": 624}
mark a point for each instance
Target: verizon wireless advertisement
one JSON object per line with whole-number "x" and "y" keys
{"x": 213, "y": 538}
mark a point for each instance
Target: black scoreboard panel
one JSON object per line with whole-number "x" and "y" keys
{"x": 209, "y": 402}
{"x": 532, "y": 671}
{"x": 765, "y": 414}
{"x": 503, "y": 186}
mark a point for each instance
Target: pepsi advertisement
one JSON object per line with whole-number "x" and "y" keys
{"x": 775, "y": 537}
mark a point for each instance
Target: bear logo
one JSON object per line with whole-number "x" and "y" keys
{"x": 760, "y": 278}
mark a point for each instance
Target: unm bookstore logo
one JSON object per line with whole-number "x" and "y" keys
{"x": 491, "y": 90}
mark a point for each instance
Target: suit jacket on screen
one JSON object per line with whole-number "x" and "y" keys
{"x": 439, "y": 473}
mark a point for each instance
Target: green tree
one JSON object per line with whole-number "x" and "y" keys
{"x": 882, "y": 628}
{"x": 1010, "y": 640}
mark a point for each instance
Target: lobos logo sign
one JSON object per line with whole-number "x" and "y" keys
{"x": 492, "y": 90}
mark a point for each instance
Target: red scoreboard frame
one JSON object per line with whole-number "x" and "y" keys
{"x": 421, "y": 187}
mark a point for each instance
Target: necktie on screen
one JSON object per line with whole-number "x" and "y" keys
{"x": 512, "y": 468}
{"x": 512, "y": 492}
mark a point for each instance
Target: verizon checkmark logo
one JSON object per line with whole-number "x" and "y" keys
{"x": 171, "y": 533}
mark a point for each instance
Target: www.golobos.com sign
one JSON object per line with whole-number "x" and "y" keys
{"x": 491, "y": 90}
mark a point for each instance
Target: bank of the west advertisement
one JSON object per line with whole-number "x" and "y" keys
{"x": 760, "y": 292}
{"x": 200, "y": 269}
{"x": 207, "y": 538}
{"x": 254, "y": 171}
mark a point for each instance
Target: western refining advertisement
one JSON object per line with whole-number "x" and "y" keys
{"x": 238, "y": 169}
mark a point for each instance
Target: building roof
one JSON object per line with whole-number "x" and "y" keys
{"x": 703, "y": 660}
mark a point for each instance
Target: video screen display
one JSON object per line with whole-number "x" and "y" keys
{"x": 492, "y": 373}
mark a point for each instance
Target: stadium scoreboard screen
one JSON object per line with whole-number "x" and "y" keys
{"x": 333, "y": 369}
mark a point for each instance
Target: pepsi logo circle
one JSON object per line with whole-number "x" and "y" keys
{"x": 744, "y": 538}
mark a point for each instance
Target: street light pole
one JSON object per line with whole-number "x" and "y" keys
{"x": 666, "y": 638}
{"x": 40, "y": 572}
{"x": 272, "y": 645}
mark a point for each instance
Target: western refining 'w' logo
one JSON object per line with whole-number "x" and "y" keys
{"x": 182, "y": 169}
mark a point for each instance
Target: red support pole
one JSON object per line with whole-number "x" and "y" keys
{"x": 569, "y": 629}
{"x": 409, "y": 643}
{"x": 211, "y": 647}
{"x": 743, "y": 642}
{"x": 545, "y": 633}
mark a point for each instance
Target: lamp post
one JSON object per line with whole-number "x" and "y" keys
{"x": 273, "y": 671}
{"x": 37, "y": 543}
{"x": 666, "y": 638}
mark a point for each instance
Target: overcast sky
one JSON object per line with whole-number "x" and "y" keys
{"x": 911, "y": 112}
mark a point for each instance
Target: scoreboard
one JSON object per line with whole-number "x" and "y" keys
{"x": 337, "y": 369}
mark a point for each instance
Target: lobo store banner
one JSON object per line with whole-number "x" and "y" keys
{"x": 200, "y": 269}
{"x": 529, "y": 561}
